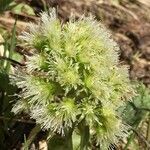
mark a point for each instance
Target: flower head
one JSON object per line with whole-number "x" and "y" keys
{"x": 74, "y": 76}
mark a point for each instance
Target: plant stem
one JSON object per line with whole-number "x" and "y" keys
{"x": 32, "y": 136}
{"x": 16, "y": 120}
{"x": 129, "y": 141}
{"x": 69, "y": 143}
{"x": 68, "y": 139}
{"x": 11, "y": 60}
{"x": 131, "y": 137}
{"x": 44, "y": 5}
{"x": 142, "y": 138}
{"x": 84, "y": 129}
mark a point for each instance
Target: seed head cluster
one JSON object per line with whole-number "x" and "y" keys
{"x": 73, "y": 75}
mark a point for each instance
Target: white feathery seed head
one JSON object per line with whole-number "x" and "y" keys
{"x": 74, "y": 76}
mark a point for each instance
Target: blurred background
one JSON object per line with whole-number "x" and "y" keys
{"x": 129, "y": 23}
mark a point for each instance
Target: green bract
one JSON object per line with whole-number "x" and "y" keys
{"x": 74, "y": 78}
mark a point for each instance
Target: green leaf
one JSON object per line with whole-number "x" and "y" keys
{"x": 135, "y": 110}
{"x": 17, "y": 57}
{"x": 23, "y": 8}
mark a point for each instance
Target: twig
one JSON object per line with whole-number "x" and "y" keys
{"x": 31, "y": 136}
{"x": 132, "y": 135}
{"x": 145, "y": 109}
{"x": 17, "y": 120}
{"x": 11, "y": 60}
{"x": 141, "y": 137}
{"x": 44, "y": 5}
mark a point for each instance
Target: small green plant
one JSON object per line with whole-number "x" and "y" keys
{"x": 73, "y": 82}
{"x": 15, "y": 7}
{"x": 137, "y": 111}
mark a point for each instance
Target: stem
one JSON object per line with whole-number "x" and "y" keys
{"x": 129, "y": 141}
{"x": 11, "y": 60}
{"x": 32, "y": 136}
{"x": 84, "y": 139}
{"x": 57, "y": 141}
{"x": 135, "y": 125}
{"x": 44, "y": 5}
{"x": 68, "y": 139}
{"x": 69, "y": 143}
{"x": 3, "y": 118}
{"x": 84, "y": 129}
{"x": 131, "y": 137}
{"x": 142, "y": 138}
